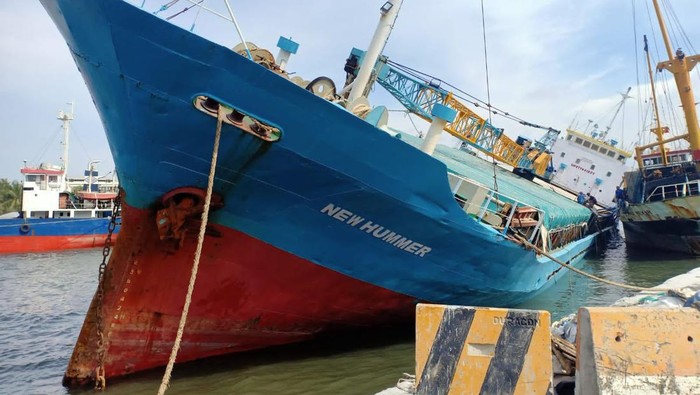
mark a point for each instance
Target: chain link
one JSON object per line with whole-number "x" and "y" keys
{"x": 100, "y": 382}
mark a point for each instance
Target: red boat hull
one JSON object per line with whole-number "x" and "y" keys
{"x": 26, "y": 243}
{"x": 248, "y": 295}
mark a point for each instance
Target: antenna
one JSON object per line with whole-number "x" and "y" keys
{"x": 625, "y": 96}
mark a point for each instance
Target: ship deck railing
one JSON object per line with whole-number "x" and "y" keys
{"x": 89, "y": 205}
{"x": 672, "y": 191}
{"x": 501, "y": 212}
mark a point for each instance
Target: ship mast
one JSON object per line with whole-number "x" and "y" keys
{"x": 625, "y": 96}
{"x": 66, "y": 118}
{"x": 680, "y": 66}
{"x": 658, "y": 131}
{"x": 389, "y": 11}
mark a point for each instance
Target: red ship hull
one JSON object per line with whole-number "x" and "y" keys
{"x": 28, "y": 244}
{"x": 248, "y": 295}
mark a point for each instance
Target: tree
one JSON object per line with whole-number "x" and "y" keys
{"x": 10, "y": 196}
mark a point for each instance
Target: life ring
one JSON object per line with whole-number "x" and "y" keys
{"x": 24, "y": 228}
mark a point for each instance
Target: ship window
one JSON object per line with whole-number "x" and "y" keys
{"x": 611, "y": 154}
{"x": 579, "y": 140}
{"x": 592, "y": 167}
{"x": 31, "y": 178}
{"x": 603, "y": 150}
{"x": 569, "y": 137}
{"x": 621, "y": 158}
{"x": 563, "y": 154}
{"x": 609, "y": 174}
{"x": 53, "y": 178}
{"x": 595, "y": 147}
{"x": 578, "y": 161}
{"x": 586, "y": 144}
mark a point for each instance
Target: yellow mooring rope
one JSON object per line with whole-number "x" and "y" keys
{"x": 198, "y": 253}
{"x": 581, "y": 272}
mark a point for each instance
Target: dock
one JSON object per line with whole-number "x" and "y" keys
{"x": 648, "y": 343}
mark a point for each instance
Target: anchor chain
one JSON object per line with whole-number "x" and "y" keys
{"x": 100, "y": 381}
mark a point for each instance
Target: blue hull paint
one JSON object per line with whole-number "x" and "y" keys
{"x": 53, "y": 227}
{"x": 143, "y": 74}
{"x": 47, "y": 234}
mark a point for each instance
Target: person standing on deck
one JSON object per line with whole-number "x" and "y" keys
{"x": 591, "y": 201}
{"x": 620, "y": 197}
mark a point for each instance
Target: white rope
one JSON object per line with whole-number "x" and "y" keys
{"x": 581, "y": 272}
{"x": 198, "y": 252}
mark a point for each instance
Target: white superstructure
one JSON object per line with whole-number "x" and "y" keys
{"x": 47, "y": 192}
{"x": 586, "y": 163}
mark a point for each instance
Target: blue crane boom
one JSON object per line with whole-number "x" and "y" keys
{"x": 419, "y": 96}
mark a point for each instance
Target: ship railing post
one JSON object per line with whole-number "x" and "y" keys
{"x": 510, "y": 217}
{"x": 485, "y": 205}
{"x": 457, "y": 186}
{"x": 537, "y": 228}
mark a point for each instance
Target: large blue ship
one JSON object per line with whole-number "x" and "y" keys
{"x": 321, "y": 216}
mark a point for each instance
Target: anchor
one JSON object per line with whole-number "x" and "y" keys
{"x": 181, "y": 207}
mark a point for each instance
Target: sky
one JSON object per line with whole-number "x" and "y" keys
{"x": 550, "y": 62}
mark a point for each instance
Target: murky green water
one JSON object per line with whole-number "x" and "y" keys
{"x": 43, "y": 298}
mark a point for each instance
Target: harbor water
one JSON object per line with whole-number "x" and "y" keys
{"x": 43, "y": 298}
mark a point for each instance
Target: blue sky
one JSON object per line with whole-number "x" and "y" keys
{"x": 550, "y": 62}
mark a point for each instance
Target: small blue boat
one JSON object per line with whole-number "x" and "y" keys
{"x": 60, "y": 213}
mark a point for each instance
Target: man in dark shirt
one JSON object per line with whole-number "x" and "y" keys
{"x": 591, "y": 200}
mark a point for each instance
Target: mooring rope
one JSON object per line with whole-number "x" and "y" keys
{"x": 585, "y": 274}
{"x": 198, "y": 252}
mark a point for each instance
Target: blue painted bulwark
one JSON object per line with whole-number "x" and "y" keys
{"x": 376, "y": 115}
{"x": 72, "y": 227}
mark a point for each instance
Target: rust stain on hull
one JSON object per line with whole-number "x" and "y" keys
{"x": 248, "y": 295}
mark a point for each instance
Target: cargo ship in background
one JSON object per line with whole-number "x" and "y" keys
{"x": 58, "y": 212}
{"x": 591, "y": 161}
{"x": 322, "y": 216}
{"x": 664, "y": 194}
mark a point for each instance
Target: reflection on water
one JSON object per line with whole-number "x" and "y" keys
{"x": 43, "y": 298}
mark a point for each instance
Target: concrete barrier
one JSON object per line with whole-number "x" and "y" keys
{"x": 636, "y": 350}
{"x": 474, "y": 350}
